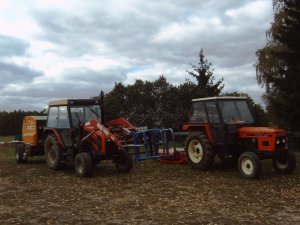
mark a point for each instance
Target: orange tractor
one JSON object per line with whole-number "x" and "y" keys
{"x": 224, "y": 126}
{"x": 73, "y": 132}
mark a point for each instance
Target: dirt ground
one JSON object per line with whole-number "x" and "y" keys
{"x": 151, "y": 194}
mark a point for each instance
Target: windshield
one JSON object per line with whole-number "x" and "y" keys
{"x": 235, "y": 111}
{"x": 85, "y": 113}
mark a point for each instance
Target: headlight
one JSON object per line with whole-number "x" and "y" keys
{"x": 278, "y": 141}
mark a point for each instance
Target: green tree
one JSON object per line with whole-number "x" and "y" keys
{"x": 278, "y": 67}
{"x": 205, "y": 85}
{"x": 144, "y": 103}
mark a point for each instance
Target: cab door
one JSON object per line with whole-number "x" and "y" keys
{"x": 217, "y": 127}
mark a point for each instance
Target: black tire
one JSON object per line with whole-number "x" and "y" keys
{"x": 123, "y": 162}
{"x": 20, "y": 153}
{"x": 83, "y": 164}
{"x": 199, "y": 152}
{"x": 53, "y": 152}
{"x": 249, "y": 165}
{"x": 285, "y": 163}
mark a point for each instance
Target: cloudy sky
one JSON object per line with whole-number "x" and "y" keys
{"x": 53, "y": 49}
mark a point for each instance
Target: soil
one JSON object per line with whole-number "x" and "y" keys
{"x": 151, "y": 193}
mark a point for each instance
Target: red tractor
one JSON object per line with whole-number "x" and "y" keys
{"x": 74, "y": 133}
{"x": 224, "y": 126}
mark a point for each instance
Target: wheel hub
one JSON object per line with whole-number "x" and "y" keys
{"x": 247, "y": 166}
{"x": 195, "y": 151}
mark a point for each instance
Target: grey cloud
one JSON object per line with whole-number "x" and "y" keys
{"x": 10, "y": 46}
{"x": 12, "y": 74}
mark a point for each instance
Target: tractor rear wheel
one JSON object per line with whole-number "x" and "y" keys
{"x": 285, "y": 163}
{"x": 53, "y": 153}
{"x": 123, "y": 162}
{"x": 20, "y": 153}
{"x": 199, "y": 152}
{"x": 249, "y": 165}
{"x": 83, "y": 164}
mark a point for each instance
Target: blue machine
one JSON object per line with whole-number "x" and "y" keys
{"x": 146, "y": 143}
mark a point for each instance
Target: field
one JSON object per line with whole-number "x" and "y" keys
{"x": 151, "y": 194}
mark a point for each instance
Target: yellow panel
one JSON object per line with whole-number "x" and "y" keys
{"x": 29, "y": 130}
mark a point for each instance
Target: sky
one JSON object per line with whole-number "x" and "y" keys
{"x": 58, "y": 49}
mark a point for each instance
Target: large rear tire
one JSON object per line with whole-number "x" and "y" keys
{"x": 83, "y": 164}
{"x": 124, "y": 162}
{"x": 249, "y": 165}
{"x": 199, "y": 152}
{"x": 20, "y": 153}
{"x": 285, "y": 163}
{"x": 53, "y": 152}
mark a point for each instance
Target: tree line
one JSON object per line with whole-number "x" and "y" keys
{"x": 11, "y": 122}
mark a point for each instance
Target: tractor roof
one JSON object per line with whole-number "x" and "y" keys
{"x": 219, "y": 98}
{"x": 74, "y": 102}
{"x": 37, "y": 117}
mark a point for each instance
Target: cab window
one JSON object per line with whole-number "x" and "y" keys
{"x": 58, "y": 117}
{"x": 198, "y": 113}
{"x": 212, "y": 112}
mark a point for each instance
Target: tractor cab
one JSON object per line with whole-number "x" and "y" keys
{"x": 65, "y": 115}
{"x": 223, "y": 116}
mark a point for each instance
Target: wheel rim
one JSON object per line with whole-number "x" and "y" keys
{"x": 195, "y": 151}
{"x": 282, "y": 163}
{"x": 79, "y": 166}
{"x": 52, "y": 154}
{"x": 247, "y": 166}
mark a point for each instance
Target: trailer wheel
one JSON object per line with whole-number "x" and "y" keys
{"x": 285, "y": 163}
{"x": 123, "y": 162}
{"x": 53, "y": 153}
{"x": 20, "y": 153}
{"x": 249, "y": 165}
{"x": 83, "y": 164}
{"x": 199, "y": 152}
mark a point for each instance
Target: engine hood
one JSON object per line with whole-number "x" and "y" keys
{"x": 261, "y": 131}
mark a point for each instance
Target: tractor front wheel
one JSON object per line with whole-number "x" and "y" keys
{"x": 199, "y": 152}
{"x": 20, "y": 153}
{"x": 123, "y": 162}
{"x": 285, "y": 163}
{"x": 83, "y": 164}
{"x": 249, "y": 165}
{"x": 53, "y": 153}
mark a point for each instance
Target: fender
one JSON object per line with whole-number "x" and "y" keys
{"x": 197, "y": 127}
{"x": 59, "y": 139}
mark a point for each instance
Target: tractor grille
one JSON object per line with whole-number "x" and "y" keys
{"x": 281, "y": 142}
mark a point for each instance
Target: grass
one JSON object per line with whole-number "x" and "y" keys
{"x": 6, "y": 138}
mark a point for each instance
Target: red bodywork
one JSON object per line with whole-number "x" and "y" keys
{"x": 266, "y": 137}
{"x": 197, "y": 127}
{"x": 115, "y": 131}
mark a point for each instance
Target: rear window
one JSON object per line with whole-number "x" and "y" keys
{"x": 198, "y": 113}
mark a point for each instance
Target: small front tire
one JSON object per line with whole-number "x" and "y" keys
{"x": 83, "y": 164}
{"x": 20, "y": 153}
{"x": 285, "y": 163}
{"x": 123, "y": 162}
{"x": 249, "y": 165}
